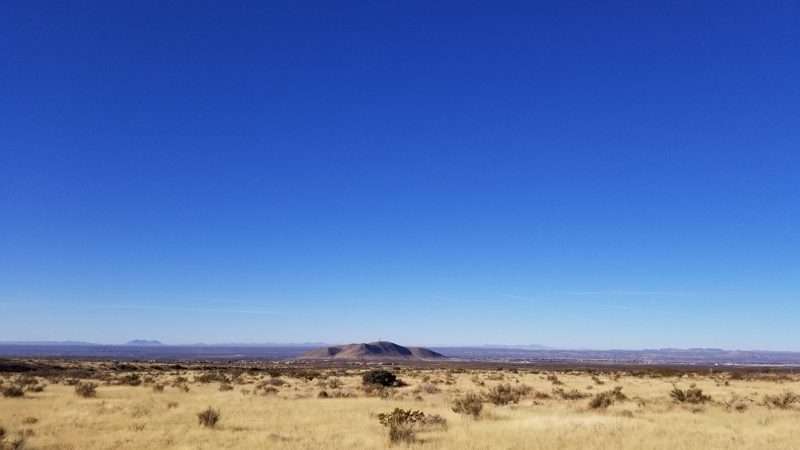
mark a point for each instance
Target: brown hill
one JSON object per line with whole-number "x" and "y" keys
{"x": 376, "y": 351}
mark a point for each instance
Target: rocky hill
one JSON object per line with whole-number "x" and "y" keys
{"x": 374, "y": 351}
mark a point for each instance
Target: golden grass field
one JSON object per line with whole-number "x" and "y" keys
{"x": 261, "y": 413}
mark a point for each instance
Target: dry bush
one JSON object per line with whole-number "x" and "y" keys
{"x": 429, "y": 389}
{"x": 502, "y": 394}
{"x": 401, "y": 424}
{"x": 158, "y": 388}
{"x": 601, "y": 400}
{"x": 209, "y": 417}
{"x": 131, "y": 379}
{"x": 434, "y": 421}
{"x": 225, "y": 387}
{"x": 86, "y": 390}
{"x": 15, "y": 444}
{"x": 322, "y": 394}
{"x": 470, "y": 404}
{"x": 693, "y": 395}
{"x": 270, "y": 390}
{"x": 573, "y": 394}
{"x": 13, "y": 391}
{"x": 783, "y": 401}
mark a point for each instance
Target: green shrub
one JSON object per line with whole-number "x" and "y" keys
{"x": 86, "y": 390}
{"x": 379, "y": 377}
{"x": 400, "y": 424}
{"x": 209, "y": 417}
{"x": 470, "y": 404}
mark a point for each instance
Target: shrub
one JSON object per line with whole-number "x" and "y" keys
{"x": 434, "y": 421}
{"x": 429, "y": 389}
{"x": 131, "y": 379}
{"x": 209, "y": 417}
{"x": 782, "y": 401}
{"x": 13, "y": 391}
{"x": 35, "y": 387}
{"x": 225, "y": 387}
{"x": 573, "y": 394}
{"x": 335, "y": 383}
{"x": 379, "y": 377}
{"x": 270, "y": 390}
{"x": 86, "y": 390}
{"x": 158, "y": 388}
{"x": 601, "y": 400}
{"x": 502, "y": 394}
{"x": 617, "y": 394}
{"x": 692, "y": 395}
{"x": 322, "y": 394}
{"x": 470, "y": 404}
{"x": 14, "y": 444}
{"x": 400, "y": 424}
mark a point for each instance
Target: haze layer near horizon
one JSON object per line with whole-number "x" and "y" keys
{"x": 583, "y": 174}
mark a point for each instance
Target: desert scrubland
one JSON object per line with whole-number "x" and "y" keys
{"x": 139, "y": 406}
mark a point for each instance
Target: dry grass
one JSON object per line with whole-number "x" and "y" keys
{"x": 292, "y": 415}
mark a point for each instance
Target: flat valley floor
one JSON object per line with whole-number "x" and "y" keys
{"x": 156, "y": 407}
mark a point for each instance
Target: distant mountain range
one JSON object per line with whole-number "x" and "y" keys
{"x": 142, "y": 342}
{"x": 146, "y": 343}
{"x": 523, "y": 346}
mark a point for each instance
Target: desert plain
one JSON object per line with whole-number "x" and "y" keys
{"x": 79, "y": 405}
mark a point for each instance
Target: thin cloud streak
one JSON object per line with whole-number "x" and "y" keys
{"x": 164, "y": 308}
{"x": 537, "y": 307}
{"x": 591, "y": 304}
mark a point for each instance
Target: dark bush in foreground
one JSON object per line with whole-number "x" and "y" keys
{"x": 86, "y": 390}
{"x": 14, "y": 444}
{"x": 209, "y": 417}
{"x": 400, "y": 424}
{"x": 470, "y": 404}
{"x": 379, "y": 377}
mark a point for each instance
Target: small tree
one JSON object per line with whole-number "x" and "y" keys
{"x": 470, "y": 404}
{"x": 400, "y": 424}
{"x": 379, "y": 377}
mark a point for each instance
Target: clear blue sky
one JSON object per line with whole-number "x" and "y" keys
{"x": 572, "y": 174}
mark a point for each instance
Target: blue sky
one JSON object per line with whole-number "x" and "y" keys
{"x": 571, "y": 174}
